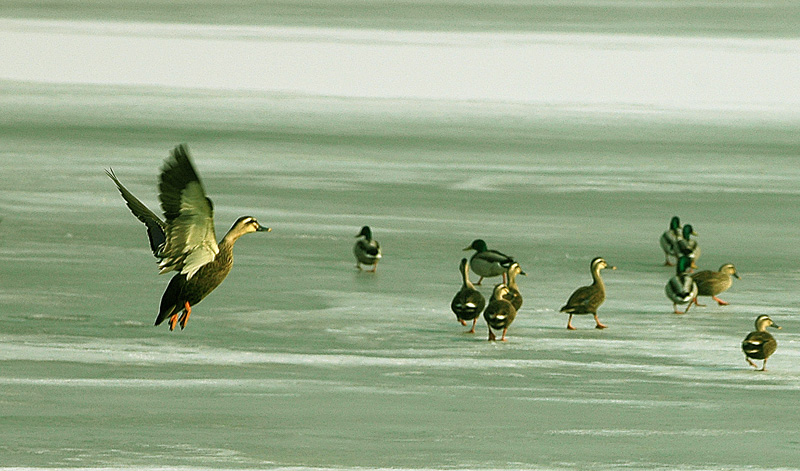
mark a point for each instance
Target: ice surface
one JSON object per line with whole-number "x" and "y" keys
{"x": 300, "y": 362}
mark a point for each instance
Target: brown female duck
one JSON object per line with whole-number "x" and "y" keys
{"x": 586, "y": 299}
{"x": 468, "y": 303}
{"x": 712, "y": 283}
{"x": 514, "y": 296}
{"x": 185, "y": 241}
{"x": 500, "y": 313}
{"x": 760, "y": 344}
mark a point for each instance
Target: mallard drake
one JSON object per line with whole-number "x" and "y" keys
{"x": 586, "y": 299}
{"x": 367, "y": 250}
{"x": 681, "y": 288}
{"x": 669, "y": 240}
{"x": 514, "y": 296}
{"x": 185, "y": 241}
{"x": 500, "y": 313}
{"x": 712, "y": 283}
{"x": 760, "y": 344}
{"x": 687, "y": 246}
{"x": 468, "y": 303}
{"x": 488, "y": 263}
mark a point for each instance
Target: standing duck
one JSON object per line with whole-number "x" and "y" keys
{"x": 586, "y": 299}
{"x": 488, "y": 263}
{"x": 687, "y": 246}
{"x": 185, "y": 242}
{"x": 681, "y": 288}
{"x": 712, "y": 283}
{"x": 514, "y": 296}
{"x": 367, "y": 250}
{"x": 760, "y": 344}
{"x": 500, "y": 313}
{"x": 468, "y": 303}
{"x": 669, "y": 240}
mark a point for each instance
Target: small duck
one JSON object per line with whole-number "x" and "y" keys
{"x": 488, "y": 263}
{"x": 367, "y": 250}
{"x": 468, "y": 303}
{"x": 669, "y": 240}
{"x": 500, "y": 313}
{"x": 687, "y": 246}
{"x": 514, "y": 296}
{"x": 760, "y": 344}
{"x": 681, "y": 288}
{"x": 586, "y": 299}
{"x": 712, "y": 283}
{"x": 185, "y": 242}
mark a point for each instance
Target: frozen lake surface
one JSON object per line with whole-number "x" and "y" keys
{"x": 300, "y": 362}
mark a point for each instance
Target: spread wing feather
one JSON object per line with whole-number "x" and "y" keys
{"x": 190, "y": 238}
{"x": 155, "y": 226}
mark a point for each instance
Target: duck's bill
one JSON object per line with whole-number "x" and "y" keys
{"x": 264, "y": 229}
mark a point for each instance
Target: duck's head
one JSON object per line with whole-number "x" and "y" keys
{"x": 246, "y": 225}
{"x": 500, "y": 291}
{"x": 464, "y": 265}
{"x": 729, "y": 269}
{"x": 675, "y": 223}
{"x": 366, "y": 232}
{"x": 688, "y": 231}
{"x": 477, "y": 244}
{"x": 684, "y": 265}
{"x": 514, "y": 269}
{"x": 763, "y": 321}
{"x": 599, "y": 263}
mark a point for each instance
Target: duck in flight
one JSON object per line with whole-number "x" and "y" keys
{"x": 184, "y": 241}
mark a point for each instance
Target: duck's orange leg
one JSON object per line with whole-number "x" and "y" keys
{"x": 186, "y": 314}
{"x": 172, "y": 321}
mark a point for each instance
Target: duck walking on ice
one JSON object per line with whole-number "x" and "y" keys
{"x": 367, "y": 250}
{"x": 500, "y": 313}
{"x": 586, "y": 299}
{"x": 712, "y": 283}
{"x": 669, "y": 240}
{"x": 488, "y": 263}
{"x": 185, "y": 240}
{"x": 681, "y": 288}
{"x": 468, "y": 303}
{"x": 760, "y": 344}
{"x": 514, "y": 296}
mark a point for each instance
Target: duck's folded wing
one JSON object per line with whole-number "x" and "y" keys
{"x": 497, "y": 257}
{"x": 190, "y": 238}
{"x": 155, "y": 226}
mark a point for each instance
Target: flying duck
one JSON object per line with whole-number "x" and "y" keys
{"x": 185, "y": 241}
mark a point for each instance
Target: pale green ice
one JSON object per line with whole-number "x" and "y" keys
{"x": 301, "y": 362}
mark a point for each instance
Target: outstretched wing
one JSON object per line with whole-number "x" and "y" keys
{"x": 155, "y": 226}
{"x": 190, "y": 238}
